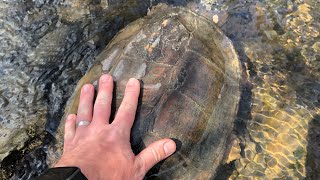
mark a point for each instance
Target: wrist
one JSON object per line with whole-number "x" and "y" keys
{"x": 68, "y": 163}
{"x": 70, "y": 173}
{"x": 85, "y": 169}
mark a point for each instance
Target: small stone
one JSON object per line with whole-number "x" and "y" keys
{"x": 235, "y": 151}
{"x": 215, "y": 19}
{"x": 316, "y": 47}
{"x": 271, "y": 34}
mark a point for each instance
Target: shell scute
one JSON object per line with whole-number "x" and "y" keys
{"x": 190, "y": 87}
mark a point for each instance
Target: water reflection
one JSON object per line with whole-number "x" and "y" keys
{"x": 284, "y": 87}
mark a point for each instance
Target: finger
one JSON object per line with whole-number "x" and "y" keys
{"x": 153, "y": 154}
{"x": 102, "y": 106}
{"x": 127, "y": 110}
{"x": 85, "y": 103}
{"x": 70, "y": 128}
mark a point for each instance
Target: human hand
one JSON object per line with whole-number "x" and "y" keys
{"x": 102, "y": 150}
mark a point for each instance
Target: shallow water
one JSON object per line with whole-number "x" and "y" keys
{"x": 47, "y": 46}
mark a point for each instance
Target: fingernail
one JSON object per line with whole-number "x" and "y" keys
{"x": 105, "y": 78}
{"x": 169, "y": 147}
{"x": 86, "y": 88}
{"x": 132, "y": 82}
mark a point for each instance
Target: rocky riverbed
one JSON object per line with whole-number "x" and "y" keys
{"x": 47, "y": 46}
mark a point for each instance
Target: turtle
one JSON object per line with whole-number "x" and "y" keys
{"x": 190, "y": 75}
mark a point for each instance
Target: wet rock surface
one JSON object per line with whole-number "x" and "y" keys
{"x": 45, "y": 50}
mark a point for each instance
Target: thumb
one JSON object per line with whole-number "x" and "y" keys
{"x": 155, "y": 153}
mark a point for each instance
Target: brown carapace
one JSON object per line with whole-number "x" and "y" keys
{"x": 189, "y": 74}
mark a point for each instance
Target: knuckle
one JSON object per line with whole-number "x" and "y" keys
{"x": 156, "y": 154}
{"x": 141, "y": 168}
{"x": 113, "y": 134}
{"x": 83, "y": 113}
{"x": 127, "y": 106}
{"x": 84, "y": 110}
{"x": 103, "y": 100}
{"x": 131, "y": 92}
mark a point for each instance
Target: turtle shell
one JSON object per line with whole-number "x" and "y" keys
{"x": 190, "y": 87}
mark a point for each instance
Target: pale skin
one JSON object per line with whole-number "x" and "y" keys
{"x": 102, "y": 149}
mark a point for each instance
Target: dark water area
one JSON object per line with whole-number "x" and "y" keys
{"x": 313, "y": 148}
{"x": 48, "y": 45}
